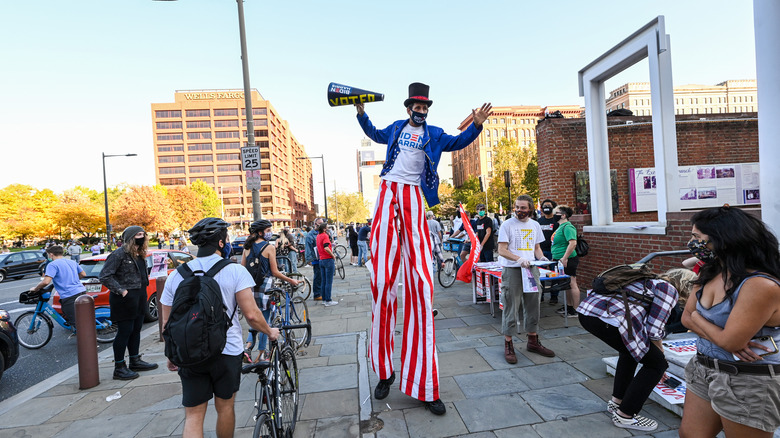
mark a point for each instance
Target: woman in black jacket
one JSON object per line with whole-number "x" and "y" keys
{"x": 125, "y": 276}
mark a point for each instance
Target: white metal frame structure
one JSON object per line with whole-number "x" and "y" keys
{"x": 651, "y": 42}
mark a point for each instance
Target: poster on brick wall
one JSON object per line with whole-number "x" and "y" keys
{"x": 702, "y": 186}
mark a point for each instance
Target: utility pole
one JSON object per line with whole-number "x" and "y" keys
{"x": 250, "y": 121}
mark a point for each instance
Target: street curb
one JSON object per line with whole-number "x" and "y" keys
{"x": 41, "y": 387}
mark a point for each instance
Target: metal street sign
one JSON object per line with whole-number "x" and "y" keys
{"x": 250, "y": 158}
{"x": 253, "y": 180}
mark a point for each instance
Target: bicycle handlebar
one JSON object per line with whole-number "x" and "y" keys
{"x": 295, "y": 327}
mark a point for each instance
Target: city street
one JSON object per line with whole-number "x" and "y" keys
{"x": 34, "y": 366}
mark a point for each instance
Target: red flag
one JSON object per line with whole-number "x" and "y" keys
{"x": 464, "y": 273}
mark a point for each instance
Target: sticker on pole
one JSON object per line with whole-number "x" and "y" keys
{"x": 250, "y": 158}
{"x": 253, "y": 180}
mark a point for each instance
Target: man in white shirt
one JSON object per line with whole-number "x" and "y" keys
{"x": 518, "y": 245}
{"x": 222, "y": 377}
{"x": 399, "y": 231}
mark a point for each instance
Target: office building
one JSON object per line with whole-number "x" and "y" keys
{"x": 199, "y": 136}
{"x": 734, "y": 96}
{"x": 512, "y": 122}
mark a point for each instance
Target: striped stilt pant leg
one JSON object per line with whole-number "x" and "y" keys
{"x": 419, "y": 363}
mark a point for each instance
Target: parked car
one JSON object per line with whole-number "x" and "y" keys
{"x": 237, "y": 245}
{"x": 18, "y": 264}
{"x": 9, "y": 342}
{"x": 93, "y": 265}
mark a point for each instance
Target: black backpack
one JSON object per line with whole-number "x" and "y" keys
{"x": 197, "y": 326}
{"x": 254, "y": 263}
{"x": 613, "y": 282}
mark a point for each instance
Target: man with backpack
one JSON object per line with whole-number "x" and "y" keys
{"x": 199, "y": 296}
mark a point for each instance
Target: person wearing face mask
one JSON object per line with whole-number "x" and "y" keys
{"x": 549, "y": 225}
{"x": 519, "y": 240}
{"x": 733, "y": 382}
{"x": 485, "y": 231}
{"x": 259, "y": 248}
{"x": 414, "y": 149}
{"x": 124, "y": 274}
{"x": 564, "y": 241}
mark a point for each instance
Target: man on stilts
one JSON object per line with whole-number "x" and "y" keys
{"x": 399, "y": 231}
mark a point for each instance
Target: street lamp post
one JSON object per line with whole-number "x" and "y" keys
{"x": 105, "y": 190}
{"x": 324, "y": 190}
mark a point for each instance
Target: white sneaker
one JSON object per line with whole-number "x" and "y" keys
{"x": 637, "y": 423}
{"x": 612, "y": 407}
{"x": 331, "y": 303}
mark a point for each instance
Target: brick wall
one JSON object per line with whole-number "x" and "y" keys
{"x": 562, "y": 151}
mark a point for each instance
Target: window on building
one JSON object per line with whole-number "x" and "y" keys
{"x": 226, "y": 134}
{"x": 199, "y": 147}
{"x": 487, "y": 133}
{"x": 167, "y": 114}
{"x": 198, "y": 135}
{"x": 229, "y": 168}
{"x": 198, "y": 124}
{"x": 227, "y": 157}
{"x": 168, "y": 125}
{"x": 257, "y": 122}
{"x": 503, "y": 121}
{"x": 170, "y": 148}
{"x": 514, "y": 121}
{"x": 171, "y": 159}
{"x": 197, "y": 158}
{"x": 495, "y": 132}
{"x": 169, "y": 137}
{"x": 489, "y": 155}
{"x": 262, "y": 144}
{"x": 231, "y": 190}
{"x": 259, "y": 133}
{"x": 205, "y": 179}
{"x": 198, "y": 113}
{"x": 173, "y": 181}
{"x": 226, "y": 123}
{"x": 171, "y": 171}
{"x": 229, "y": 179}
{"x": 490, "y": 165}
{"x": 225, "y": 112}
{"x": 231, "y": 145}
{"x": 255, "y": 111}
{"x": 201, "y": 169}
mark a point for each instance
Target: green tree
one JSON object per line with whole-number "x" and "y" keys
{"x": 469, "y": 194}
{"x": 80, "y": 212}
{"x": 531, "y": 178}
{"x": 26, "y": 211}
{"x": 347, "y": 207}
{"x": 511, "y": 156}
{"x": 210, "y": 206}
{"x": 447, "y": 205}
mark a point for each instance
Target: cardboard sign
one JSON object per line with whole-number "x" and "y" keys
{"x": 159, "y": 265}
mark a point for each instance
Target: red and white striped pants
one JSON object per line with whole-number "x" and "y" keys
{"x": 400, "y": 230}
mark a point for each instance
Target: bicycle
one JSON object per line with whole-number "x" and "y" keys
{"x": 449, "y": 271}
{"x": 339, "y": 267}
{"x": 276, "y": 389}
{"x": 340, "y": 251}
{"x": 287, "y": 310}
{"x": 303, "y": 289}
{"x": 35, "y": 327}
{"x": 301, "y": 254}
{"x": 283, "y": 263}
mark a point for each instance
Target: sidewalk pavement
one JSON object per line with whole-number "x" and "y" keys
{"x": 485, "y": 396}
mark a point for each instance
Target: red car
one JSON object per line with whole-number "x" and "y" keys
{"x": 93, "y": 265}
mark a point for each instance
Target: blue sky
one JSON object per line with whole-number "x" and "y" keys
{"x": 78, "y": 77}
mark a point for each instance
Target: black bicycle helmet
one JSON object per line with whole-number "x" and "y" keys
{"x": 258, "y": 226}
{"x": 207, "y": 230}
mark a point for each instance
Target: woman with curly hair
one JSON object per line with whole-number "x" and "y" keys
{"x": 733, "y": 382}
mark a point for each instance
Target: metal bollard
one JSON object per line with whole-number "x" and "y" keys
{"x": 86, "y": 342}
{"x": 160, "y": 286}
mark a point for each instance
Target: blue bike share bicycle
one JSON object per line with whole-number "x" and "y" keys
{"x": 449, "y": 270}
{"x": 34, "y": 327}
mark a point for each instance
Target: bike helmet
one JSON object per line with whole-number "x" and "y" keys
{"x": 259, "y": 226}
{"x": 208, "y": 230}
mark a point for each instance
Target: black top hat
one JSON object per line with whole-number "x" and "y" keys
{"x": 418, "y": 92}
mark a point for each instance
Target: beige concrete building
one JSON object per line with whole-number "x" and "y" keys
{"x": 198, "y": 136}
{"x": 513, "y": 122}
{"x": 734, "y": 96}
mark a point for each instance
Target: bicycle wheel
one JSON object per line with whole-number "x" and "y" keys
{"x": 284, "y": 264}
{"x": 304, "y": 287}
{"x": 299, "y": 314}
{"x": 288, "y": 383}
{"x": 34, "y": 331}
{"x": 340, "y": 268}
{"x": 340, "y": 251}
{"x": 108, "y": 334}
{"x": 448, "y": 272}
{"x": 264, "y": 427}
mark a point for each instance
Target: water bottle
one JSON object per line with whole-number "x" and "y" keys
{"x": 560, "y": 269}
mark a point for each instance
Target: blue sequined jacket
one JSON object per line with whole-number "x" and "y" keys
{"x": 435, "y": 141}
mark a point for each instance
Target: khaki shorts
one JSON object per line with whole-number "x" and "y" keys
{"x": 749, "y": 399}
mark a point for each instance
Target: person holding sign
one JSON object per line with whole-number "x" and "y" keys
{"x": 399, "y": 230}
{"x": 519, "y": 240}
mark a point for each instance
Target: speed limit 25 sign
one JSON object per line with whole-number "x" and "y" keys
{"x": 250, "y": 158}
